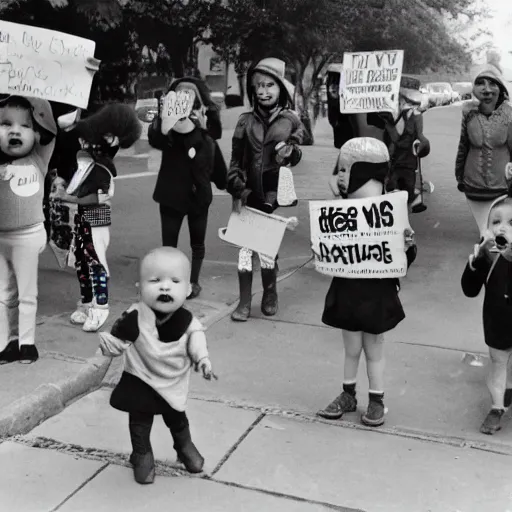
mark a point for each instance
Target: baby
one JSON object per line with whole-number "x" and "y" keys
{"x": 161, "y": 341}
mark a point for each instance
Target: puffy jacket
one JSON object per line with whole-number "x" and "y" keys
{"x": 485, "y": 148}
{"x": 253, "y": 150}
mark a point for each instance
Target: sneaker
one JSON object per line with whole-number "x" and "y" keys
{"x": 196, "y": 290}
{"x": 374, "y": 416}
{"x": 28, "y": 354}
{"x": 491, "y": 423}
{"x": 96, "y": 317}
{"x": 79, "y": 316}
{"x": 339, "y": 406}
{"x": 10, "y": 353}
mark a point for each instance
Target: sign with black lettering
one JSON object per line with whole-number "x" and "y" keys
{"x": 361, "y": 238}
{"x": 370, "y": 81}
{"x": 46, "y": 64}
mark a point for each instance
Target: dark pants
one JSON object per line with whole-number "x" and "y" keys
{"x": 403, "y": 179}
{"x": 140, "y": 424}
{"x": 197, "y": 223}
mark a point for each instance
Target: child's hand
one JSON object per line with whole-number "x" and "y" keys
{"x": 283, "y": 152}
{"x": 508, "y": 171}
{"x": 205, "y": 367}
{"x": 126, "y": 328}
{"x": 409, "y": 239}
{"x": 6, "y": 172}
{"x": 482, "y": 248}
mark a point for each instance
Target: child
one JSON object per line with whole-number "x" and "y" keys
{"x": 264, "y": 140}
{"x": 27, "y": 132}
{"x": 494, "y": 274}
{"x": 91, "y": 188}
{"x": 406, "y": 143}
{"x": 191, "y": 160}
{"x": 160, "y": 340}
{"x": 363, "y": 308}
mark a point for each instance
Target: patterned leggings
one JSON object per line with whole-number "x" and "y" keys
{"x": 92, "y": 274}
{"x": 245, "y": 260}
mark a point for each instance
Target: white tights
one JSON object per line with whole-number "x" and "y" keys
{"x": 499, "y": 376}
{"x": 373, "y": 347}
{"x": 245, "y": 260}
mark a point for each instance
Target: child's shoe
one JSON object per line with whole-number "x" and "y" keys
{"x": 374, "y": 416}
{"x": 195, "y": 291}
{"x": 491, "y": 423}
{"x": 96, "y": 317}
{"x": 187, "y": 452}
{"x": 143, "y": 467}
{"x": 28, "y": 354}
{"x": 10, "y": 353}
{"x": 339, "y": 406}
{"x": 79, "y": 316}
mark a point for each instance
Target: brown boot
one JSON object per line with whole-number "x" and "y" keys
{"x": 187, "y": 451}
{"x": 269, "y": 299}
{"x": 243, "y": 311}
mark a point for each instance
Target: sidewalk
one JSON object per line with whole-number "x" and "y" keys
{"x": 264, "y": 447}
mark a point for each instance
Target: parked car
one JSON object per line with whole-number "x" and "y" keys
{"x": 440, "y": 93}
{"x": 465, "y": 90}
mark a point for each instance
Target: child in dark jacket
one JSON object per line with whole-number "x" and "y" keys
{"x": 191, "y": 160}
{"x": 265, "y": 139}
{"x": 495, "y": 272}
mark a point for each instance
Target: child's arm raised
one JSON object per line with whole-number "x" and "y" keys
{"x": 477, "y": 269}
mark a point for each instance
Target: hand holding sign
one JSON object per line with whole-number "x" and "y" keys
{"x": 176, "y": 106}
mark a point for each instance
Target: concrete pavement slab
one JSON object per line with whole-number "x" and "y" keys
{"x": 92, "y": 422}
{"x": 34, "y": 480}
{"x": 114, "y": 490}
{"x": 297, "y": 367}
{"x": 368, "y": 470}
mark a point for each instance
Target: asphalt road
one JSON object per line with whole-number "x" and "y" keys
{"x": 445, "y": 232}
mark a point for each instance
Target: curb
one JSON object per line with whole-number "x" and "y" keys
{"x": 49, "y": 399}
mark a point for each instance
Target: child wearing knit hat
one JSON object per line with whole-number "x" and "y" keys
{"x": 27, "y": 139}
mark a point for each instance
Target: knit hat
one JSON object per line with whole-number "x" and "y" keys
{"x": 361, "y": 159}
{"x": 41, "y": 111}
{"x": 276, "y": 69}
{"x": 492, "y": 71}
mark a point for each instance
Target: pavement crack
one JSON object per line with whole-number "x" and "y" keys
{"x": 230, "y": 452}
{"x": 80, "y": 487}
{"x": 330, "y": 506}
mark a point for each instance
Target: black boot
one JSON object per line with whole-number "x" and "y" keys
{"x": 187, "y": 451}
{"x": 269, "y": 299}
{"x": 197, "y": 263}
{"x": 243, "y": 311}
{"x": 142, "y": 455}
{"x": 10, "y": 353}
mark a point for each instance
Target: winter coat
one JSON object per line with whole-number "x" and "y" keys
{"x": 485, "y": 148}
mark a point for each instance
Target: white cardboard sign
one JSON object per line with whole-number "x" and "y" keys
{"x": 360, "y": 238}
{"x": 370, "y": 81}
{"x": 176, "y": 106}
{"x": 46, "y": 64}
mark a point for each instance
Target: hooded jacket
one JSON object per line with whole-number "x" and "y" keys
{"x": 485, "y": 145}
{"x": 256, "y": 136}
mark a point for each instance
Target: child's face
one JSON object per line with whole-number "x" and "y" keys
{"x": 267, "y": 90}
{"x": 164, "y": 281}
{"x": 500, "y": 224}
{"x": 17, "y": 134}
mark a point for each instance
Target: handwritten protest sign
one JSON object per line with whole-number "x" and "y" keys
{"x": 46, "y": 64}
{"x": 176, "y": 106}
{"x": 370, "y": 81}
{"x": 361, "y": 238}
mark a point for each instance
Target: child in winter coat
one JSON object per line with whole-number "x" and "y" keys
{"x": 494, "y": 272}
{"x": 27, "y": 133}
{"x": 191, "y": 160}
{"x": 265, "y": 139}
{"x": 364, "y": 309}
{"x": 90, "y": 191}
{"x": 160, "y": 341}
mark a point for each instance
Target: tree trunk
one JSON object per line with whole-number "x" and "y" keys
{"x": 301, "y": 105}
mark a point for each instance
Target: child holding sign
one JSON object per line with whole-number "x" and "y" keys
{"x": 191, "y": 160}
{"x": 27, "y": 133}
{"x": 363, "y": 309}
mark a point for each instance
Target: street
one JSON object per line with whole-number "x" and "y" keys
{"x": 264, "y": 448}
